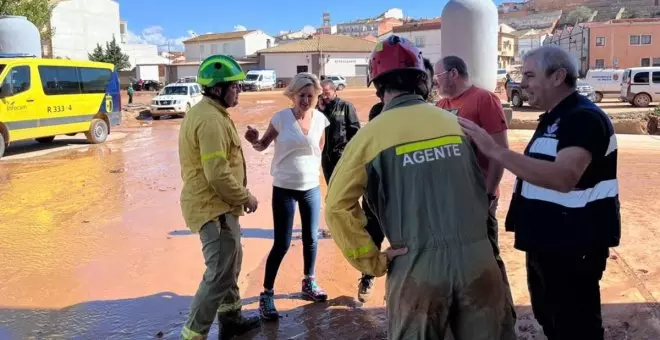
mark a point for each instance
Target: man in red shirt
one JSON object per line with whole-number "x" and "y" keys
{"x": 484, "y": 108}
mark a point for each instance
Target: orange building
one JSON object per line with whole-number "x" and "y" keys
{"x": 624, "y": 43}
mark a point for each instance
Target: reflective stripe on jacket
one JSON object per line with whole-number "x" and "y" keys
{"x": 212, "y": 165}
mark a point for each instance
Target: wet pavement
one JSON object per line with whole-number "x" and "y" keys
{"x": 93, "y": 245}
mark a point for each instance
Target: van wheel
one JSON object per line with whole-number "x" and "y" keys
{"x": 45, "y": 140}
{"x": 598, "y": 97}
{"x": 155, "y": 117}
{"x": 516, "y": 100}
{"x": 2, "y": 145}
{"x": 642, "y": 100}
{"x": 98, "y": 131}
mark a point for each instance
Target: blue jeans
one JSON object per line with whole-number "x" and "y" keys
{"x": 284, "y": 208}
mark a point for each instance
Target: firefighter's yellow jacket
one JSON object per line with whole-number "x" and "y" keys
{"x": 212, "y": 165}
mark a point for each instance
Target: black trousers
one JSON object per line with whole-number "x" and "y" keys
{"x": 373, "y": 227}
{"x": 565, "y": 293}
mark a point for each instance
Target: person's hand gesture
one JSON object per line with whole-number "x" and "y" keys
{"x": 252, "y": 135}
{"x": 479, "y": 136}
{"x": 392, "y": 253}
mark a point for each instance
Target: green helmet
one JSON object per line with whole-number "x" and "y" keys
{"x": 219, "y": 69}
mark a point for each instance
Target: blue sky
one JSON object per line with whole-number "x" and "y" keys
{"x": 168, "y": 21}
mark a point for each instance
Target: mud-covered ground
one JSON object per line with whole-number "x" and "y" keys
{"x": 93, "y": 245}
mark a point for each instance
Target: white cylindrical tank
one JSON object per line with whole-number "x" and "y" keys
{"x": 19, "y": 36}
{"x": 469, "y": 31}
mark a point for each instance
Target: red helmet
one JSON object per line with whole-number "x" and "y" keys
{"x": 394, "y": 53}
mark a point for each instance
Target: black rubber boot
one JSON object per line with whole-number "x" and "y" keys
{"x": 234, "y": 324}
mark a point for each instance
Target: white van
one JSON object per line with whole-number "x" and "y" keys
{"x": 606, "y": 82}
{"x": 257, "y": 80}
{"x": 641, "y": 86}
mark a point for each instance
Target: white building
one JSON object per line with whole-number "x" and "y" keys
{"x": 322, "y": 55}
{"x": 237, "y": 44}
{"x": 145, "y": 60}
{"x": 424, "y": 34}
{"x": 530, "y": 39}
{"x": 79, "y": 25}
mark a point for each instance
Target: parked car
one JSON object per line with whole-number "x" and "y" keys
{"x": 518, "y": 96}
{"x": 606, "y": 82}
{"x": 340, "y": 82}
{"x": 146, "y": 85}
{"x": 257, "y": 80}
{"x": 175, "y": 99}
{"x": 641, "y": 86}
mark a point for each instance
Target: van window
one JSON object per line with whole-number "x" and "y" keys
{"x": 656, "y": 77}
{"x": 94, "y": 80}
{"x": 18, "y": 80}
{"x": 641, "y": 77}
{"x": 59, "y": 80}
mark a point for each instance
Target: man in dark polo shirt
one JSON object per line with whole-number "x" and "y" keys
{"x": 565, "y": 206}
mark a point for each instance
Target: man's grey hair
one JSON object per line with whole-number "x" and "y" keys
{"x": 328, "y": 82}
{"x": 552, "y": 58}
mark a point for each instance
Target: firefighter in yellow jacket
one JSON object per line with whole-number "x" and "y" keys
{"x": 214, "y": 195}
{"x": 419, "y": 175}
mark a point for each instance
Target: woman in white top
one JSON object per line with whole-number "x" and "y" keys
{"x": 298, "y": 134}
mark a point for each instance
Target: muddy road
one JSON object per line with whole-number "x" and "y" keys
{"x": 93, "y": 245}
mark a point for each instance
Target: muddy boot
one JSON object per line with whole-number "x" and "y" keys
{"x": 267, "y": 306}
{"x": 364, "y": 288}
{"x": 312, "y": 291}
{"x": 233, "y": 324}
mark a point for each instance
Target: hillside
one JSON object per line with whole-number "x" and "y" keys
{"x": 539, "y": 13}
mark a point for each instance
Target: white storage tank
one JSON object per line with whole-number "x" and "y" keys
{"x": 19, "y": 36}
{"x": 469, "y": 31}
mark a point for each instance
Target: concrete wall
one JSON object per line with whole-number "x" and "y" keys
{"x": 617, "y": 51}
{"x": 346, "y": 64}
{"x": 256, "y": 41}
{"x": 431, "y": 40}
{"x": 80, "y": 24}
{"x": 285, "y": 64}
{"x": 136, "y": 52}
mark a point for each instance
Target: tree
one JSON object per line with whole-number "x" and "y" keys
{"x": 37, "y": 12}
{"x": 98, "y": 54}
{"x": 112, "y": 54}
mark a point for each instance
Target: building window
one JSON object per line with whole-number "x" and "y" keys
{"x": 225, "y": 48}
{"x": 214, "y": 49}
{"x": 420, "y": 42}
{"x": 600, "y": 41}
{"x": 656, "y": 62}
{"x": 646, "y": 39}
{"x": 634, "y": 40}
{"x": 646, "y": 62}
{"x": 600, "y": 63}
{"x": 302, "y": 68}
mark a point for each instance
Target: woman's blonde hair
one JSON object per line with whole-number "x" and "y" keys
{"x": 300, "y": 81}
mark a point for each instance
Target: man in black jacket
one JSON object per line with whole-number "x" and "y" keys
{"x": 344, "y": 124}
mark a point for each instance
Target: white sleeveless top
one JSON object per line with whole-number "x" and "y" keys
{"x": 297, "y": 160}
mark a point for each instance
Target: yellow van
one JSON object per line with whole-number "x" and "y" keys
{"x": 43, "y": 98}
